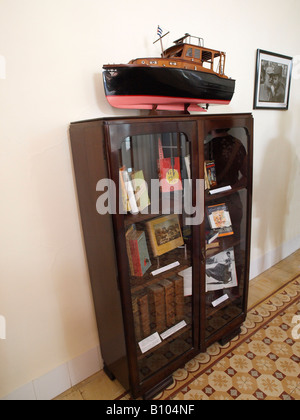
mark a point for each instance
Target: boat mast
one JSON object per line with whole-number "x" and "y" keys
{"x": 159, "y": 32}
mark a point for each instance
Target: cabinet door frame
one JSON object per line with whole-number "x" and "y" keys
{"x": 206, "y": 126}
{"x": 115, "y": 133}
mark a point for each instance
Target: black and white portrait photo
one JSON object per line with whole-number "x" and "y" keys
{"x": 272, "y": 81}
{"x": 220, "y": 271}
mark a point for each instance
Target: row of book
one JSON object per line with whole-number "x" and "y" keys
{"x": 164, "y": 235}
{"x": 134, "y": 189}
{"x": 135, "y": 196}
{"x": 158, "y": 307}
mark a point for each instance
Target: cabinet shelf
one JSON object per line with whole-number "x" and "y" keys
{"x": 139, "y": 283}
{"x": 233, "y": 297}
{"x": 164, "y": 342}
{"x": 224, "y": 243}
{"x": 146, "y": 215}
{"x": 218, "y": 196}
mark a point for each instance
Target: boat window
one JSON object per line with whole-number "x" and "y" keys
{"x": 197, "y": 54}
{"x": 189, "y": 52}
{"x": 217, "y": 64}
{"x": 206, "y": 55}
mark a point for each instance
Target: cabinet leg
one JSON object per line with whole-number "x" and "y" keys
{"x": 224, "y": 340}
{"x": 109, "y": 373}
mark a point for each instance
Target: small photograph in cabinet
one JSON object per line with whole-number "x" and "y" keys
{"x": 220, "y": 271}
{"x": 165, "y": 234}
{"x": 272, "y": 81}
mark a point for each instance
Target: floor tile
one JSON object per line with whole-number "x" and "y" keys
{"x": 100, "y": 387}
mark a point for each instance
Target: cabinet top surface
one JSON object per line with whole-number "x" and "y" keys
{"x": 183, "y": 117}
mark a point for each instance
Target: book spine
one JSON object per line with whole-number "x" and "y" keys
{"x": 151, "y": 236}
{"x": 129, "y": 254}
{"x": 134, "y": 249}
{"x": 136, "y": 317}
{"x": 157, "y": 308}
{"x": 179, "y": 297}
{"x": 130, "y": 192}
{"x": 144, "y": 315}
{"x": 169, "y": 295}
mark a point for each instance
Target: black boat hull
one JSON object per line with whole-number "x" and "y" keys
{"x": 129, "y": 86}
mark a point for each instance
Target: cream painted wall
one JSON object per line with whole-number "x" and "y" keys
{"x": 51, "y": 54}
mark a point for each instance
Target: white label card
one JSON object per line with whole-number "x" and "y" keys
{"x": 166, "y": 268}
{"x": 149, "y": 342}
{"x": 222, "y": 189}
{"x": 173, "y": 330}
{"x": 220, "y": 300}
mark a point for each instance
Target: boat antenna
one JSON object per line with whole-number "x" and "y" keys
{"x": 159, "y": 33}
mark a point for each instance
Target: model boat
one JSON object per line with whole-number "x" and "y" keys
{"x": 187, "y": 76}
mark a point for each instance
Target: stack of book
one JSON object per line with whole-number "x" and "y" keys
{"x": 159, "y": 307}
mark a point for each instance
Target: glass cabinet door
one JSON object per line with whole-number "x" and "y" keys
{"x": 226, "y": 198}
{"x": 155, "y": 177}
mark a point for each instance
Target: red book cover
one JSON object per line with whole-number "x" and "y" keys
{"x": 169, "y": 171}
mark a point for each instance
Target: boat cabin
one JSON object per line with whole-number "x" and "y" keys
{"x": 188, "y": 53}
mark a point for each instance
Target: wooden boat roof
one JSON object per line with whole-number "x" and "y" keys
{"x": 189, "y": 41}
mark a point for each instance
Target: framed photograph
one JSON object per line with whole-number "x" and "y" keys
{"x": 272, "y": 80}
{"x": 165, "y": 234}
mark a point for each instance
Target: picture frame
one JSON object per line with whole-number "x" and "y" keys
{"x": 165, "y": 234}
{"x": 272, "y": 80}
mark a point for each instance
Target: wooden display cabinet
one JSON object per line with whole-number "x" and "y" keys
{"x": 162, "y": 294}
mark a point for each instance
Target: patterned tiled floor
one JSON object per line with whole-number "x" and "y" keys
{"x": 264, "y": 366}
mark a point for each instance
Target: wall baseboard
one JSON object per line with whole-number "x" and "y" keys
{"x": 61, "y": 378}
{"x": 271, "y": 258}
{"x": 75, "y": 371}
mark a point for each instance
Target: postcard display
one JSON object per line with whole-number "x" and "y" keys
{"x": 165, "y": 204}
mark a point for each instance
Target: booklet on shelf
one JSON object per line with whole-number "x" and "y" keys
{"x": 219, "y": 219}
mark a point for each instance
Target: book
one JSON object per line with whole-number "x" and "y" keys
{"x": 141, "y": 316}
{"x": 187, "y": 161}
{"x": 220, "y": 271}
{"x": 210, "y": 174}
{"x": 212, "y": 245}
{"x": 157, "y": 308}
{"x": 219, "y": 219}
{"x": 211, "y": 236}
{"x": 125, "y": 201}
{"x": 210, "y": 239}
{"x": 139, "y": 258}
{"x": 165, "y": 234}
{"x": 127, "y": 192}
{"x": 179, "y": 296}
{"x": 128, "y": 233}
{"x": 140, "y": 190}
{"x": 169, "y": 293}
{"x": 187, "y": 275}
{"x": 144, "y": 316}
{"x": 136, "y": 317}
{"x": 168, "y": 171}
